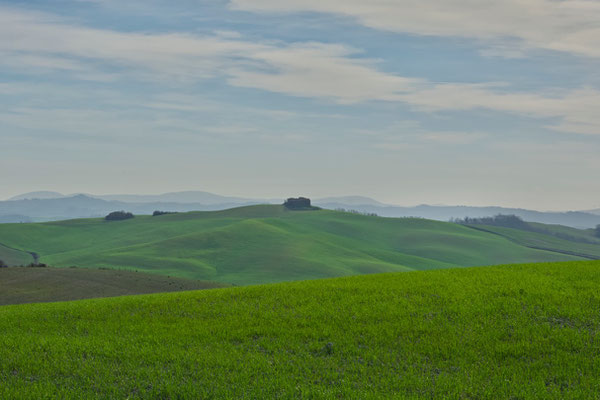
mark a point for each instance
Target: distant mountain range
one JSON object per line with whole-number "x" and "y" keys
{"x": 51, "y": 206}
{"x": 198, "y": 197}
{"x": 85, "y": 206}
{"x": 38, "y": 195}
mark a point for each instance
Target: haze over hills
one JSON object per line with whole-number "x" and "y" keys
{"x": 53, "y": 206}
{"x": 349, "y": 201}
{"x": 56, "y": 208}
{"x": 576, "y": 219}
{"x": 186, "y": 197}
{"x": 12, "y": 218}
{"x": 38, "y": 195}
{"x": 192, "y": 196}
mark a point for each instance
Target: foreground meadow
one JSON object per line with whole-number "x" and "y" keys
{"x": 520, "y": 332}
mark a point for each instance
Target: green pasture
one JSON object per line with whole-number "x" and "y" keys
{"x": 504, "y": 332}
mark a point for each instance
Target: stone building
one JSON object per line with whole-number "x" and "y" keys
{"x": 297, "y": 203}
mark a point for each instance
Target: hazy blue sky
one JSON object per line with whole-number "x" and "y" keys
{"x": 408, "y": 101}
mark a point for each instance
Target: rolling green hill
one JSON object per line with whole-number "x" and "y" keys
{"x": 33, "y": 285}
{"x": 508, "y": 332}
{"x": 261, "y": 244}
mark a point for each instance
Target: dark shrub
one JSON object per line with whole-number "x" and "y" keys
{"x": 2, "y": 264}
{"x": 118, "y": 216}
{"x": 156, "y": 213}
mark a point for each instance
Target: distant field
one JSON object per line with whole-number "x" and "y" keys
{"x": 29, "y": 285}
{"x": 508, "y": 332}
{"x": 262, "y": 244}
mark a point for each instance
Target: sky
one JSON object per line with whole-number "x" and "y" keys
{"x": 456, "y": 102}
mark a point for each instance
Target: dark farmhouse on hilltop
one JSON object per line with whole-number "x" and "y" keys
{"x": 300, "y": 203}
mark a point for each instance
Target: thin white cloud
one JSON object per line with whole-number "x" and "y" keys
{"x": 313, "y": 70}
{"x": 321, "y": 70}
{"x": 563, "y": 25}
{"x": 577, "y": 109}
{"x": 308, "y": 69}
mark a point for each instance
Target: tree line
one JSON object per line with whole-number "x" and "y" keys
{"x": 507, "y": 221}
{"x": 351, "y": 211}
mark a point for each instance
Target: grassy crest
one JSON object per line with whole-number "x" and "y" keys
{"x": 263, "y": 244}
{"x": 523, "y": 331}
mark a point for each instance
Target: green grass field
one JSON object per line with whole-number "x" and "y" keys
{"x": 32, "y": 285}
{"x": 263, "y": 244}
{"x": 506, "y": 332}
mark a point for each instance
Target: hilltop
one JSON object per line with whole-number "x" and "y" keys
{"x": 525, "y": 331}
{"x": 267, "y": 243}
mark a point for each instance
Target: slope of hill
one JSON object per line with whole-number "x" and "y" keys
{"x": 584, "y": 235}
{"x": 518, "y": 332}
{"x": 260, "y": 244}
{"x": 33, "y": 285}
{"x": 551, "y": 237}
{"x": 10, "y": 256}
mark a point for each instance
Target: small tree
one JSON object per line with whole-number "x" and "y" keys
{"x": 2, "y": 264}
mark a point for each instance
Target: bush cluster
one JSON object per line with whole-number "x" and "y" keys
{"x": 118, "y": 216}
{"x": 157, "y": 213}
{"x": 352, "y": 211}
{"x": 31, "y": 265}
{"x": 508, "y": 221}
